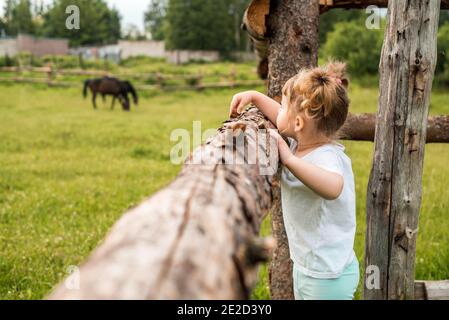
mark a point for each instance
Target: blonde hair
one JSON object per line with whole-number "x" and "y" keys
{"x": 321, "y": 93}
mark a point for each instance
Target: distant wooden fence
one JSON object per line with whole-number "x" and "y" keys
{"x": 192, "y": 81}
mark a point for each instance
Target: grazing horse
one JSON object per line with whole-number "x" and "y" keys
{"x": 111, "y": 86}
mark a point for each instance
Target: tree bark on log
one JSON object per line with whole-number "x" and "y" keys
{"x": 362, "y": 126}
{"x": 198, "y": 237}
{"x": 292, "y": 27}
{"x": 394, "y": 190}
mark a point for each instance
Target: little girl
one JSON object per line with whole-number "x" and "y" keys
{"x": 317, "y": 183}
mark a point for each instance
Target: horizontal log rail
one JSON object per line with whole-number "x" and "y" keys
{"x": 360, "y": 4}
{"x": 195, "y": 239}
{"x": 432, "y": 290}
{"x": 362, "y": 127}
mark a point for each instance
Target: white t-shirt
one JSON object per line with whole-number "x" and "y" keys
{"x": 320, "y": 232}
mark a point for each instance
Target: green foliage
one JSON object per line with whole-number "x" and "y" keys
{"x": 155, "y": 21}
{"x": 7, "y": 61}
{"x": 60, "y": 62}
{"x": 444, "y": 17}
{"x": 18, "y": 18}
{"x": 442, "y": 67}
{"x": 139, "y": 61}
{"x": 132, "y": 32}
{"x": 20, "y": 59}
{"x": 2, "y": 27}
{"x": 358, "y": 46}
{"x": 199, "y": 25}
{"x": 98, "y": 24}
{"x": 184, "y": 24}
{"x": 72, "y": 62}
{"x": 24, "y": 59}
{"x": 329, "y": 19}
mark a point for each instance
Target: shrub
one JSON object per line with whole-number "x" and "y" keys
{"x": 7, "y": 61}
{"x": 140, "y": 60}
{"x": 62, "y": 62}
{"x": 358, "y": 46}
{"x": 442, "y": 67}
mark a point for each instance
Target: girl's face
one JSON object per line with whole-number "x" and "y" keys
{"x": 283, "y": 121}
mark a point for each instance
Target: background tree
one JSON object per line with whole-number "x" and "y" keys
{"x": 38, "y": 16}
{"x": 442, "y": 68}
{"x": 444, "y": 17}
{"x": 18, "y": 17}
{"x": 132, "y": 32}
{"x": 237, "y": 10}
{"x": 200, "y": 25}
{"x": 2, "y": 28}
{"x": 363, "y": 54}
{"x": 98, "y": 24}
{"x": 7, "y": 16}
{"x": 331, "y": 18}
{"x": 160, "y": 26}
{"x": 154, "y": 18}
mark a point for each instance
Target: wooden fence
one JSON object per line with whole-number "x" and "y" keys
{"x": 191, "y": 81}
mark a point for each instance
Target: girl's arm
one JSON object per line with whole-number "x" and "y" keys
{"x": 269, "y": 107}
{"x": 326, "y": 184}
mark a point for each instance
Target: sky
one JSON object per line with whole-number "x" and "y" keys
{"x": 130, "y": 10}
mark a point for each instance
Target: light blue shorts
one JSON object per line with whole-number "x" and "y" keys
{"x": 342, "y": 288}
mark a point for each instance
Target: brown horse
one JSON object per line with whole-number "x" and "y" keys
{"x": 111, "y": 86}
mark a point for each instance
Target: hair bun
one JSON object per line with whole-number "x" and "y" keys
{"x": 321, "y": 93}
{"x": 319, "y": 77}
{"x": 338, "y": 70}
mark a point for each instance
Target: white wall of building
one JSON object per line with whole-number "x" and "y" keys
{"x": 8, "y": 47}
{"x": 149, "y": 48}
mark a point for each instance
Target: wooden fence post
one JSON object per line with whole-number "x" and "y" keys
{"x": 394, "y": 190}
{"x": 50, "y": 73}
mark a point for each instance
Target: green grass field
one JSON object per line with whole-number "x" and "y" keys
{"x": 67, "y": 173}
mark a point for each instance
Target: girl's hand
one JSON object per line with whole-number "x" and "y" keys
{"x": 239, "y": 101}
{"x": 284, "y": 150}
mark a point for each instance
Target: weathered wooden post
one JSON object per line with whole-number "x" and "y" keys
{"x": 394, "y": 190}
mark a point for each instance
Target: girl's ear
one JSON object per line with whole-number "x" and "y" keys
{"x": 299, "y": 123}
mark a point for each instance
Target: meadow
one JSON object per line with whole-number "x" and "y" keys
{"x": 67, "y": 173}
